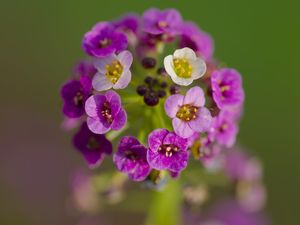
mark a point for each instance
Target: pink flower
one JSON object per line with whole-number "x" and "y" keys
{"x": 188, "y": 112}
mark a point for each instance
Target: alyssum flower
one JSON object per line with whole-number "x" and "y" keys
{"x": 167, "y": 151}
{"x": 74, "y": 94}
{"x": 92, "y": 146}
{"x": 126, "y": 55}
{"x": 113, "y": 71}
{"x": 131, "y": 158}
{"x": 188, "y": 112}
{"x": 184, "y": 66}
{"x": 105, "y": 112}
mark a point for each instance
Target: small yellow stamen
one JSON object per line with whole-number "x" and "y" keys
{"x": 114, "y": 71}
{"x": 187, "y": 112}
{"x": 182, "y": 68}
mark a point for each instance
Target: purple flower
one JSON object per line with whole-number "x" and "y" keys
{"x": 188, "y": 112}
{"x": 167, "y": 151}
{"x": 128, "y": 23}
{"x": 162, "y": 22}
{"x": 105, "y": 112}
{"x": 224, "y": 129}
{"x": 227, "y": 88}
{"x": 85, "y": 68}
{"x": 103, "y": 40}
{"x": 74, "y": 94}
{"x": 131, "y": 158}
{"x": 92, "y": 146}
{"x": 230, "y": 213}
{"x": 196, "y": 39}
{"x": 240, "y": 166}
{"x": 113, "y": 71}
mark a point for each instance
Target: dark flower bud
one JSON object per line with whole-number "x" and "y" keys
{"x": 174, "y": 89}
{"x": 161, "y": 93}
{"x": 161, "y": 71}
{"x": 148, "y": 62}
{"x": 141, "y": 90}
{"x": 163, "y": 84}
{"x": 148, "y": 80}
{"x": 151, "y": 98}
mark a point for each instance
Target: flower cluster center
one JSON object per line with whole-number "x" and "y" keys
{"x": 168, "y": 150}
{"x": 114, "y": 71}
{"x": 182, "y": 68}
{"x": 106, "y": 112}
{"x": 187, "y": 112}
{"x": 78, "y": 99}
{"x": 93, "y": 144}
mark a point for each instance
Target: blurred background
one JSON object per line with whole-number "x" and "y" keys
{"x": 41, "y": 40}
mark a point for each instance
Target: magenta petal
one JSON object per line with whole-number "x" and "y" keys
{"x": 156, "y": 138}
{"x": 114, "y": 101}
{"x": 182, "y": 128}
{"x": 173, "y": 139}
{"x": 119, "y": 120}
{"x": 96, "y": 126}
{"x": 158, "y": 161}
{"x": 195, "y": 97}
{"x": 203, "y": 121}
{"x": 93, "y": 159}
{"x": 93, "y": 103}
{"x": 124, "y": 164}
{"x": 173, "y": 104}
{"x": 179, "y": 161}
{"x": 140, "y": 172}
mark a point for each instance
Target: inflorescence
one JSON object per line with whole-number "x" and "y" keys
{"x": 152, "y": 84}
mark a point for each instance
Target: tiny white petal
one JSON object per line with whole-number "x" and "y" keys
{"x": 182, "y": 81}
{"x": 185, "y": 53}
{"x": 199, "y": 68}
{"x": 101, "y": 63}
{"x": 169, "y": 66}
{"x": 125, "y": 58}
{"x": 101, "y": 82}
{"x": 123, "y": 81}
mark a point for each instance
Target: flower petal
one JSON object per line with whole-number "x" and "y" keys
{"x": 114, "y": 101}
{"x": 96, "y": 126}
{"x": 101, "y": 63}
{"x": 195, "y": 97}
{"x": 185, "y": 53}
{"x": 203, "y": 121}
{"x": 119, "y": 120}
{"x": 199, "y": 68}
{"x": 101, "y": 82}
{"x": 182, "y": 128}
{"x": 172, "y": 138}
{"x": 93, "y": 103}
{"x": 125, "y": 58}
{"x": 173, "y": 104}
{"x": 156, "y": 138}
{"x": 123, "y": 80}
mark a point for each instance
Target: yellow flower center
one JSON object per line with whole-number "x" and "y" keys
{"x": 182, "y": 68}
{"x": 187, "y": 113}
{"x": 114, "y": 71}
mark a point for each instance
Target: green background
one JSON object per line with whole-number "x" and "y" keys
{"x": 40, "y": 41}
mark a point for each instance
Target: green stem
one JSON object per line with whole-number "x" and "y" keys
{"x": 166, "y": 206}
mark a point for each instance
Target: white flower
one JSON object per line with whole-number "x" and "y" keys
{"x": 113, "y": 71}
{"x": 184, "y": 66}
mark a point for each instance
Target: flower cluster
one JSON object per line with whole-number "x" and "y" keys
{"x": 160, "y": 107}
